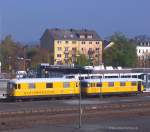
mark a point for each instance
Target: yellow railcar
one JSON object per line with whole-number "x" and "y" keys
{"x": 43, "y": 87}
{"x": 111, "y": 86}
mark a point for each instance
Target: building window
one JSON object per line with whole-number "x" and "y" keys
{"x": 49, "y": 85}
{"x": 66, "y": 56}
{"x": 71, "y": 35}
{"x": 59, "y": 62}
{"x": 82, "y": 36}
{"x": 66, "y": 84}
{"x": 73, "y": 49}
{"x": 89, "y": 36}
{"x": 90, "y": 42}
{"x": 31, "y": 85}
{"x": 83, "y": 42}
{"x": 66, "y": 42}
{"x": 73, "y": 42}
{"x": 66, "y": 48}
{"x": 58, "y": 55}
{"x": 59, "y": 42}
{"x": 90, "y": 49}
{"x": 59, "y": 48}
{"x": 97, "y": 42}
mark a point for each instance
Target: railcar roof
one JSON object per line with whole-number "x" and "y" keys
{"x": 33, "y": 80}
{"x": 111, "y": 80}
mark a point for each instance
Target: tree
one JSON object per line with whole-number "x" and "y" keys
{"x": 82, "y": 60}
{"x": 9, "y": 51}
{"x": 122, "y": 53}
{"x": 37, "y": 55}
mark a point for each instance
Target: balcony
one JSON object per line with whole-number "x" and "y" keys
{"x": 66, "y": 52}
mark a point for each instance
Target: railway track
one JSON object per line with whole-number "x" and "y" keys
{"x": 85, "y": 108}
{"x": 28, "y": 117}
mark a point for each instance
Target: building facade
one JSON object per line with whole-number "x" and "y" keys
{"x": 66, "y": 45}
{"x": 143, "y": 54}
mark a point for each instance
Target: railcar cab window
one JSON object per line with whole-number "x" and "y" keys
{"x": 12, "y": 86}
{"x": 133, "y": 83}
{"x": 49, "y": 85}
{"x": 32, "y": 85}
{"x": 66, "y": 84}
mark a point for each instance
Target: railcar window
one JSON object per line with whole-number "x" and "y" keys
{"x": 87, "y": 77}
{"x": 94, "y": 77}
{"x": 81, "y": 78}
{"x": 49, "y": 85}
{"x": 66, "y": 84}
{"x": 111, "y": 84}
{"x": 148, "y": 77}
{"x": 77, "y": 84}
{"x": 92, "y": 84}
{"x": 69, "y": 77}
{"x": 99, "y": 84}
{"x": 122, "y": 84}
{"x": 125, "y": 76}
{"x": 31, "y": 85}
{"x": 133, "y": 83}
{"x": 134, "y": 76}
{"x": 19, "y": 86}
{"x": 139, "y": 76}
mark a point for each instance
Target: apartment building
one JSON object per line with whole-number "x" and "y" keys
{"x": 66, "y": 45}
{"x": 143, "y": 53}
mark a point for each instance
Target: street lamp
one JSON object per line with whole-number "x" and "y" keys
{"x": 80, "y": 97}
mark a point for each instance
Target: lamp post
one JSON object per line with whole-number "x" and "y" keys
{"x": 80, "y": 97}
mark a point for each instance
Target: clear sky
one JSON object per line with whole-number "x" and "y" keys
{"x": 26, "y": 20}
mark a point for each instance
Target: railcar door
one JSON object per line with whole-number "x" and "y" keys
{"x": 139, "y": 86}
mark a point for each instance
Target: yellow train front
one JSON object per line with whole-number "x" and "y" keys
{"x": 111, "y": 86}
{"x": 42, "y": 87}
